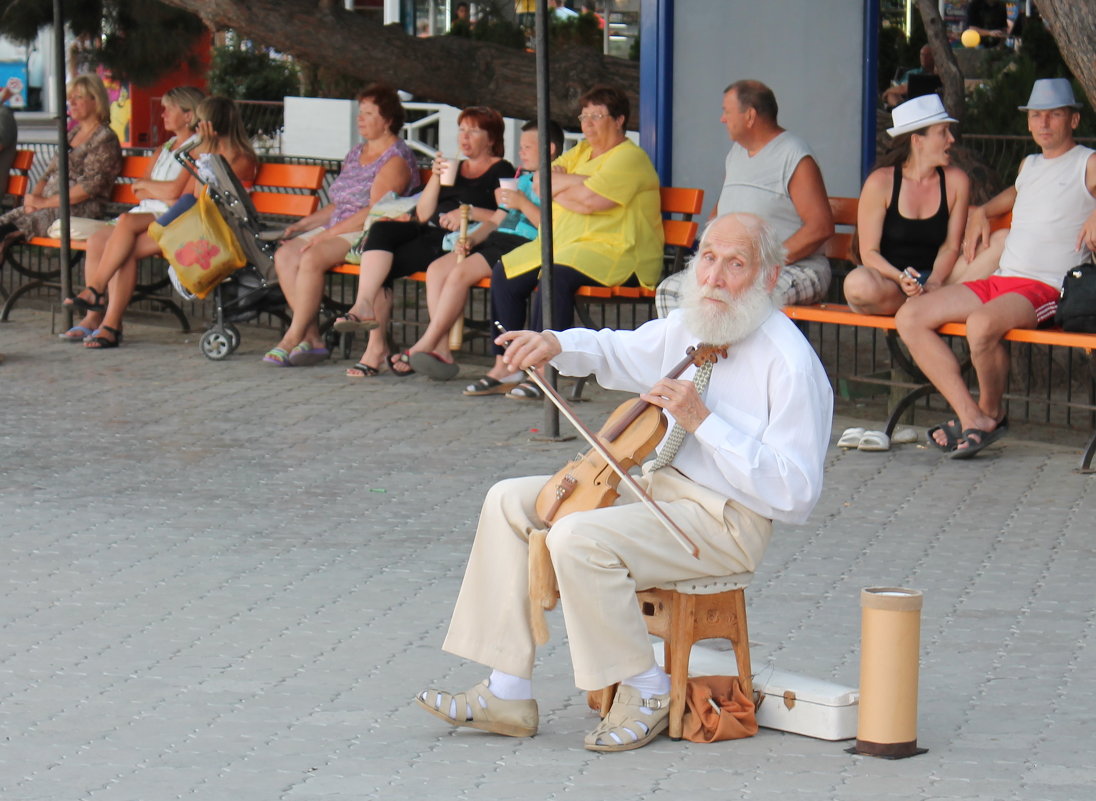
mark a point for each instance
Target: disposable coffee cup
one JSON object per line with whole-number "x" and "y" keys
{"x": 449, "y": 174}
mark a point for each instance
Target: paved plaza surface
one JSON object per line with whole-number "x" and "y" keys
{"x": 226, "y": 581}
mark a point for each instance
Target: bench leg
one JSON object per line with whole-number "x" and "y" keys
{"x": 9, "y": 304}
{"x": 1087, "y": 454}
{"x": 900, "y": 408}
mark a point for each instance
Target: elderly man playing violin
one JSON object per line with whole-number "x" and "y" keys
{"x": 747, "y": 448}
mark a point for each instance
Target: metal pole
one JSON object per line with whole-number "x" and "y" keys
{"x": 62, "y": 154}
{"x": 544, "y": 114}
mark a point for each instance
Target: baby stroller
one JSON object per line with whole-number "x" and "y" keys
{"x": 245, "y": 293}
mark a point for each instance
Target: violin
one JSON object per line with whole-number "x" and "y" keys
{"x": 630, "y": 435}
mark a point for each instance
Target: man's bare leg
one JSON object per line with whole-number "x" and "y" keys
{"x": 985, "y": 329}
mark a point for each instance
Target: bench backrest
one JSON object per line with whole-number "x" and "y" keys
{"x": 680, "y": 233}
{"x": 133, "y": 167}
{"x": 304, "y": 182}
{"x": 19, "y": 175}
{"x": 844, "y": 218}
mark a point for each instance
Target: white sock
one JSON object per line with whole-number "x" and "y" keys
{"x": 654, "y": 681}
{"x": 509, "y": 687}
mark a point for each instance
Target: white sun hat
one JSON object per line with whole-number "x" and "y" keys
{"x": 1048, "y": 93}
{"x": 921, "y": 112}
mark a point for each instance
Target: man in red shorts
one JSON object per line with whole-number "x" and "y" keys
{"x": 1053, "y": 205}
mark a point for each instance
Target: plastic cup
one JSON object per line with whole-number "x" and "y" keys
{"x": 508, "y": 183}
{"x": 449, "y": 174}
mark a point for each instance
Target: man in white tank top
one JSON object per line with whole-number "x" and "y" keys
{"x": 1053, "y": 205}
{"x": 771, "y": 173}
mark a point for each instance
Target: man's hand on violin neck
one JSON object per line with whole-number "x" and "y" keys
{"x": 680, "y": 399}
{"x": 525, "y": 349}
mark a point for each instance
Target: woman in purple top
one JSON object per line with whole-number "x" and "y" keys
{"x": 383, "y": 163}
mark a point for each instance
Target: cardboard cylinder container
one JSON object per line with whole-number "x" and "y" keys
{"x": 890, "y": 643}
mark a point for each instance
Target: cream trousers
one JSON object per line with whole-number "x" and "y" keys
{"x": 601, "y": 558}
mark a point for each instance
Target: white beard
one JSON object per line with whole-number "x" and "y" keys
{"x": 727, "y": 325}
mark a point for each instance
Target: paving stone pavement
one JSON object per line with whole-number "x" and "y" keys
{"x": 227, "y": 581}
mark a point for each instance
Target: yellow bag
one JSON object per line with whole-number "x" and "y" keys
{"x": 200, "y": 246}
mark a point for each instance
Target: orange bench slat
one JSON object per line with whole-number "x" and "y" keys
{"x": 47, "y": 242}
{"x": 837, "y": 314}
{"x": 291, "y": 176}
{"x": 284, "y": 204}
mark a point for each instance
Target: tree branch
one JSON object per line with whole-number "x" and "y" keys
{"x": 445, "y": 69}
{"x": 955, "y": 98}
{"x": 1073, "y": 26}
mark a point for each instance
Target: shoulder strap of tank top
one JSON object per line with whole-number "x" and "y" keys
{"x": 896, "y": 186}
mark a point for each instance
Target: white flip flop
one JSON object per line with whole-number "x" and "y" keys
{"x": 904, "y": 435}
{"x": 874, "y": 441}
{"x": 850, "y": 438}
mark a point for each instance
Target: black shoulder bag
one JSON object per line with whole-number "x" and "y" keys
{"x": 1077, "y": 308}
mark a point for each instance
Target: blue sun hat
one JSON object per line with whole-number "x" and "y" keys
{"x": 1048, "y": 93}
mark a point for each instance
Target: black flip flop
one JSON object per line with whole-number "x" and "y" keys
{"x": 489, "y": 386}
{"x": 973, "y": 446}
{"x": 368, "y": 370}
{"x": 951, "y": 433}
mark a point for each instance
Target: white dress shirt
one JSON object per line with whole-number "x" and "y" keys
{"x": 765, "y": 441}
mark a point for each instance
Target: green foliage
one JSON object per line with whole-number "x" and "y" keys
{"x": 246, "y": 74}
{"x": 491, "y": 25}
{"x": 137, "y": 40}
{"x": 1039, "y": 46}
{"x": 992, "y": 108}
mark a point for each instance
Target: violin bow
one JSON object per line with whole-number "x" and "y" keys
{"x": 595, "y": 443}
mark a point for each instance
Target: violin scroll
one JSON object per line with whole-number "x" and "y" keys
{"x": 704, "y": 354}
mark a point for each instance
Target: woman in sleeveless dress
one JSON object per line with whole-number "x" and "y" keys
{"x": 381, "y": 164}
{"x": 912, "y": 212}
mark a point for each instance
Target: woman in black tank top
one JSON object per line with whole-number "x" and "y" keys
{"x": 911, "y": 213}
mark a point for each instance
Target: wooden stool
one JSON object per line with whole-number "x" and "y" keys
{"x": 682, "y": 613}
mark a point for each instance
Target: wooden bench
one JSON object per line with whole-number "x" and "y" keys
{"x": 919, "y": 387}
{"x": 283, "y": 192}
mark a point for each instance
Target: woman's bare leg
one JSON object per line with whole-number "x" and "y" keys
{"x": 307, "y": 290}
{"x": 375, "y": 267}
{"x": 120, "y": 246}
{"x": 287, "y": 260}
{"x": 376, "y": 347}
{"x": 449, "y": 302}
{"x": 436, "y": 276}
{"x": 124, "y": 284}
{"x": 868, "y": 292}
